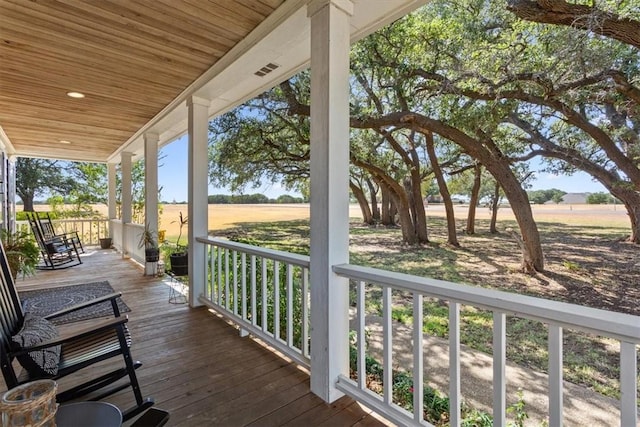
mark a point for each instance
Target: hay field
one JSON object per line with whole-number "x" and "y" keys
{"x": 228, "y": 216}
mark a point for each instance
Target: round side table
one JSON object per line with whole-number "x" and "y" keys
{"x": 88, "y": 414}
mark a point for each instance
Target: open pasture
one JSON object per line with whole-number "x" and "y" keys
{"x": 227, "y": 216}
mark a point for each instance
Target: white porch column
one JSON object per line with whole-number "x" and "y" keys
{"x": 329, "y": 193}
{"x": 126, "y": 206}
{"x": 11, "y": 192}
{"x": 111, "y": 198}
{"x": 151, "y": 189}
{"x": 111, "y": 187}
{"x": 198, "y": 166}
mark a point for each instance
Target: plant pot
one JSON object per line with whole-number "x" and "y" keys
{"x": 105, "y": 243}
{"x": 152, "y": 254}
{"x": 180, "y": 263}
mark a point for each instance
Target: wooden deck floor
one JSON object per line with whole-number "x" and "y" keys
{"x": 195, "y": 365}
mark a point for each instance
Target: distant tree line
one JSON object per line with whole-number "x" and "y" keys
{"x": 601, "y": 199}
{"x": 251, "y": 199}
{"x": 543, "y": 196}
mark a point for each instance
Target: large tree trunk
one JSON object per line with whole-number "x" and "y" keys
{"x": 386, "y": 217}
{"x": 27, "y": 200}
{"x": 416, "y": 210}
{"x": 631, "y": 201}
{"x": 494, "y": 209}
{"x": 533, "y": 258}
{"x": 362, "y": 202}
{"x": 417, "y": 200}
{"x": 498, "y": 165}
{"x": 373, "y": 195}
{"x": 473, "y": 202}
{"x": 398, "y": 198}
{"x": 452, "y": 237}
{"x": 404, "y": 219}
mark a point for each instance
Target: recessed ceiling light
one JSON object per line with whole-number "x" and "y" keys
{"x": 64, "y": 141}
{"x": 75, "y": 94}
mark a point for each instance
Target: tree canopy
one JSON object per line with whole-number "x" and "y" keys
{"x": 475, "y": 86}
{"x": 39, "y": 177}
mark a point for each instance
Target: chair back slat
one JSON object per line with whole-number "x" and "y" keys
{"x": 37, "y": 232}
{"x": 47, "y": 228}
{"x": 11, "y": 315}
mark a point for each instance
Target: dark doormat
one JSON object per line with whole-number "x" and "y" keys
{"x": 46, "y": 301}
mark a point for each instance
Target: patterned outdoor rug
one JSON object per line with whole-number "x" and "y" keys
{"x": 47, "y": 301}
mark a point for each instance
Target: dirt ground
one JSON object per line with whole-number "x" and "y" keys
{"x": 587, "y": 260}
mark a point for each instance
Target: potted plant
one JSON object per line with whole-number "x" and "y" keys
{"x": 106, "y": 241}
{"x": 23, "y": 254}
{"x": 179, "y": 257}
{"x": 149, "y": 242}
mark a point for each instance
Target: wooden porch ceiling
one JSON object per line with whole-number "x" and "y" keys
{"x": 130, "y": 59}
{"x": 137, "y": 62}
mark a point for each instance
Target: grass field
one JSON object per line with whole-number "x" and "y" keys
{"x": 223, "y": 217}
{"x": 228, "y": 216}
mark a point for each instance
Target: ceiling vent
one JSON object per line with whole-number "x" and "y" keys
{"x": 266, "y": 69}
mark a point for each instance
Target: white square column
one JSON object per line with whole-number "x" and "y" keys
{"x": 127, "y": 199}
{"x": 198, "y": 167}
{"x": 111, "y": 188}
{"x": 330, "y": 42}
{"x": 151, "y": 189}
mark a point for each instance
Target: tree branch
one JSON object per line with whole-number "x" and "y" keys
{"x": 582, "y": 17}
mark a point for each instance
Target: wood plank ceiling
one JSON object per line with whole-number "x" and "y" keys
{"x": 129, "y": 59}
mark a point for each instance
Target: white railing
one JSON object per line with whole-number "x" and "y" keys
{"x": 90, "y": 231}
{"x": 621, "y": 327}
{"x": 244, "y": 282}
{"x": 265, "y": 292}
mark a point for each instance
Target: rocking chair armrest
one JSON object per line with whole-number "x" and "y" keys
{"x": 59, "y": 238}
{"x": 98, "y": 300}
{"x": 92, "y": 329}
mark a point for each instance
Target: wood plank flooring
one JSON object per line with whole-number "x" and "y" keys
{"x": 195, "y": 365}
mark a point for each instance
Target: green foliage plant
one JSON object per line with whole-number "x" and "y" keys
{"x": 22, "y": 252}
{"x": 148, "y": 238}
{"x": 182, "y": 221}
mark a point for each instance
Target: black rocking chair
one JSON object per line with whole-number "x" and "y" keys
{"x": 46, "y": 354}
{"x": 49, "y": 231}
{"x": 58, "y": 251}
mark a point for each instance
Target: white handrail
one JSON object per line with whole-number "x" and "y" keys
{"x": 90, "y": 230}
{"x": 621, "y": 326}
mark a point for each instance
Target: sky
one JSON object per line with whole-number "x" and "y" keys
{"x": 172, "y": 177}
